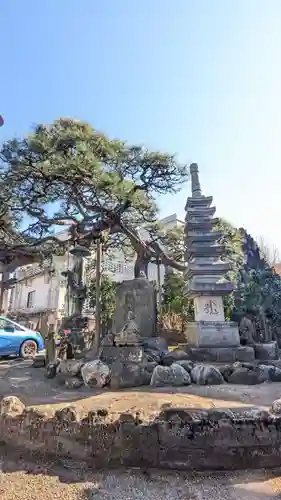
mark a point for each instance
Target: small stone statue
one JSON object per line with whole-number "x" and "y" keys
{"x": 130, "y": 334}
{"x": 247, "y": 330}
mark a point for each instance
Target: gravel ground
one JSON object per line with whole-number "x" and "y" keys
{"x": 26, "y": 479}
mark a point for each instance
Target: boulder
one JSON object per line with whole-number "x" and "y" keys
{"x": 276, "y": 375}
{"x": 153, "y": 355}
{"x": 244, "y": 376}
{"x": 127, "y": 374}
{"x": 256, "y": 413}
{"x": 216, "y": 414}
{"x": 73, "y": 383}
{"x": 180, "y": 375}
{"x": 276, "y": 407}
{"x": 11, "y": 405}
{"x": 174, "y": 375}
{"x": 95, "y": 373}
{"x": 226, "y": 371}
{"x": 265, "y": 372}
{"x": 70, "y": 367}
{"x": 146, "y": 377}
{"x": 171, "y": 357}
{"x": 155, "y": 344}
{"x": 149, "y": 366}
{"x": 186, "y": 364}
{"x": 206, "y": 375}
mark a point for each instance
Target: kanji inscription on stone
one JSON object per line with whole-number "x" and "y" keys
{"x": 211, "y": 307}
{"x": 208, "y": 308}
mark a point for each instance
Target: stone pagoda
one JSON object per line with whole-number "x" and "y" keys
{"x": 210, "y": 337}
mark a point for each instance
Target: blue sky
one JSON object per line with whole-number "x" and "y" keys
{"x": 202, "y": 79}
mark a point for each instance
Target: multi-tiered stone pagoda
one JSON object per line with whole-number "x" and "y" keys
{"x": 209, "y": 337}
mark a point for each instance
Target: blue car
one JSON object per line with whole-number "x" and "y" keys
{"x": 18, "y": 340}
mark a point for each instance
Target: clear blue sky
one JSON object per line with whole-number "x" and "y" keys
{"x": 200, "y": 78}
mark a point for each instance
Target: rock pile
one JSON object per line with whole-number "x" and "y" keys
{"x": 152, "y": 364}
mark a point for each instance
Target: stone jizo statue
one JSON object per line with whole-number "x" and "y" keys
{"x": 130, "y": 333}
{"x": 247, "y": 330}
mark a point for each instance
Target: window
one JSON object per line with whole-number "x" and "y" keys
{"x": 4, "y": 323}
{"x": 30, "y": 299}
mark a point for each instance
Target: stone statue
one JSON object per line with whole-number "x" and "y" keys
{"x": 247, "y": 330}
{"x": 130, "y": 333}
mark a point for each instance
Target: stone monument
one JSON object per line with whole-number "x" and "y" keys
{"x": 210, "y": 337}
{"x": 125, "y": 346}
{"x": 138, "y": 296}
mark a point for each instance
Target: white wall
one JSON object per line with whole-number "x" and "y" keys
{"x": 46, "y": 296}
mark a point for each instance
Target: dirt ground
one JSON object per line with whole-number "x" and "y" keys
{"x": 19, "y": 378}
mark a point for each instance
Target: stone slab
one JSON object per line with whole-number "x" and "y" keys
{"x": 267, "y": 352}
{"x": 109, "y": 354}
{"x": 212, "y": 334}
{"x": 207, "y": 308}
{"x": 222, "y": 355}
{"x": 137, "y": 295}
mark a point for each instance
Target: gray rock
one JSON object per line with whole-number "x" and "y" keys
{"x": 156, "y": 344}
{"x": 71, "y": 367}
{"x": 216, "y": 414}
{"x": 126, "y": 374}
{"x": 206, "y": 375}
{"x": 226, "y": 371}
{"x": 95, "y": 373}
{"x": 258, "y": 413}
{"x": 171, "y": 357}
{"x": 265, "y": 372}
{"x": 174, "y": 375}
{"x": 276, "y": 375}
{"x": 276, "y": 407}
{"x": 244, "y": 376}
{"x": 146, "y": 377}
{"x": 73, "y": 383}
{"x": 153, "y": 355}
{"x": 186, "y": 364}
{"x": 149, "y": 366}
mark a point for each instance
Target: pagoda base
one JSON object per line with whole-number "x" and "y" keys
{"x": 216, "y": 342}
{"x": 221, "y": 354}
{"x": 212, "y": 334}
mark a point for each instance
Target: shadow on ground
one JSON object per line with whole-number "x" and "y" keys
{"x": 64, "y": 475}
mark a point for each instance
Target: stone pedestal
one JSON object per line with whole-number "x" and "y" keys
{"x": 216, "y": 342}
{"x": 130, "y": 354}
{"x": 138, "y": 296}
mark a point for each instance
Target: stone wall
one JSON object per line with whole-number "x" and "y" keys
{"x": 177, "y": 438}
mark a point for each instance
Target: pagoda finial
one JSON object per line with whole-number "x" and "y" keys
{"x": 195, "y": 183}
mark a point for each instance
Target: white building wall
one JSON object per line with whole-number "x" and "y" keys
{"x": 51, "y": 293}
{"x": 45, "y": 294}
